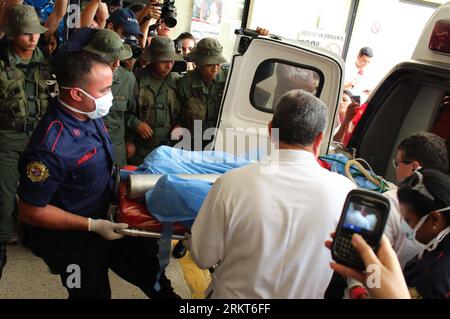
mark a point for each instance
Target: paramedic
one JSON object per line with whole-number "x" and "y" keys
{"x": 425, "y": 207}
{"x": 65, "y": 187}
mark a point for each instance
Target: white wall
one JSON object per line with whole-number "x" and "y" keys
{"x": 231, "y": 9}
{"x": 400, "y": 25}
{"x": 184, "y": 16}
{"x": 287, "y": 17}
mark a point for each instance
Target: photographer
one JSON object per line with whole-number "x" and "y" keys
{"x": 124, "y": 22}
{"x": 184, "y": 44}
{"x": 136, "y": 50}
{"x": 148, "y": 17}
{"x": 159, "y": 18}
{"x": 115, "y": 5}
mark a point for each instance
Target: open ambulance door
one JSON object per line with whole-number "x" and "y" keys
{"x": 263, "y": 69}
{"x": 414, "y": 96}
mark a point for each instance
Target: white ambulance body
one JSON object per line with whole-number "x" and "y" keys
{"x": 414, "y": 95}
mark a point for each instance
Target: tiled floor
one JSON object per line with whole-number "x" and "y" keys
{"x": 27, "y": 277}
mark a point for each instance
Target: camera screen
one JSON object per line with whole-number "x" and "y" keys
{"x": 360, "y": 217}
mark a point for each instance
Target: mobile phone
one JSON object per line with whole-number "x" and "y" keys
{"x": 364, "y": 213}
{"x": 357, "y": 99}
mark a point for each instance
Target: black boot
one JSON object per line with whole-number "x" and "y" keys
{"x": 179, "y": 250}
{"x": 2, "y": 257}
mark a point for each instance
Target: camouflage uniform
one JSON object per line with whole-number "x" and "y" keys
{"x": 201, "y": 100}
{"x": 157, "y": 103}
{"x": 120, "y": 118}
{"x": 24, "y": 97}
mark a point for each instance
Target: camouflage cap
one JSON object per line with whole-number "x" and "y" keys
{"x": 161, "y": 49}
{"x": 108, "y": 44}
{"x": 22, "y": 19}
{"x": 207, "y": 51}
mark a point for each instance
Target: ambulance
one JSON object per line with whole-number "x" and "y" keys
{"x": 413, "y": 96}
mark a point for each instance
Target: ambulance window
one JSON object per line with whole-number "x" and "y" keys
{"x": 273, "y": 78}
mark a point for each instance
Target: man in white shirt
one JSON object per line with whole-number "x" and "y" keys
{"x": 356, "y": 80}
{"x": 264, "y": 224}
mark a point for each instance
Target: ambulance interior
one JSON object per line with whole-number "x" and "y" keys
{"x": 408, "y": 101}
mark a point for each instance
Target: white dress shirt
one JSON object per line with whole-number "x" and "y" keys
{"x": 266, "y": 228}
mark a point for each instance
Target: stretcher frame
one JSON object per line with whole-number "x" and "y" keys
{"x": 132, "y": 231}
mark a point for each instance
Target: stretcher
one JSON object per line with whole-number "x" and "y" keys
{"x": 134, "y": 213}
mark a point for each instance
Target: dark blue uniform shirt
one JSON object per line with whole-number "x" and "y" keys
{"x": 68, "y": 164}
{"x": 430, "y": 276}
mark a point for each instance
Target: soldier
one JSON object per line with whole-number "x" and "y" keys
{"x": 201, "y": 90}
{"x": 24, "y": 96}
{"x": 157, "y": 104}
{"x": 109, "y": 45}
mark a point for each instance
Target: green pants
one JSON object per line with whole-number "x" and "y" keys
{"x": 9, "y": 177}
{"x": 141, "y": 152}
{"x": 120, "y": 152}
{"x": 145, "y": 147}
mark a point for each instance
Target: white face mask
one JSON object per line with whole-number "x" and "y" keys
{"x": 410, "y": 233}
{"x": 102, "y": 104}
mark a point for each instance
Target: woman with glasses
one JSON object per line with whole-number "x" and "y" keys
{"x": 425, "y": 208}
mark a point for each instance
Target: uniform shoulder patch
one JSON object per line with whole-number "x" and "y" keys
{"x": 37, "y": 172}
{"x": 52, "y": 134}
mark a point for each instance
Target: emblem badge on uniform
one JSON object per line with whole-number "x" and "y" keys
{"x": 37, "y": 172}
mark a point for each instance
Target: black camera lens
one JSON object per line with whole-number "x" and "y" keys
{"x": 169, "y": 13}
{"x": 170, "y": 21}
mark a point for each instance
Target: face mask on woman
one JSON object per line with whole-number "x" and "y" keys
{"x": 410, "y": 233}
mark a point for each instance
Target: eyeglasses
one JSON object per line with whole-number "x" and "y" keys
{"x": 396, "y": 162}
{"x": 419, "y": 186}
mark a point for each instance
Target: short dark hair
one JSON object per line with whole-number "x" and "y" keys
{"x": 299, "y": 117}
{"x": 426, "y": 148}
{"x": 366, "y": 51}
{"x": 76, "y": 66}
{"x": 436, "y": 183}
{"x": 136, "y": 7}
{"x": 185, "y": 35}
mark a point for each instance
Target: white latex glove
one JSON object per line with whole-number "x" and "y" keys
{"x": 106, "y": 229}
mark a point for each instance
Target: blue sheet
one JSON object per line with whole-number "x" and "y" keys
{"x": 174, "y": 198}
